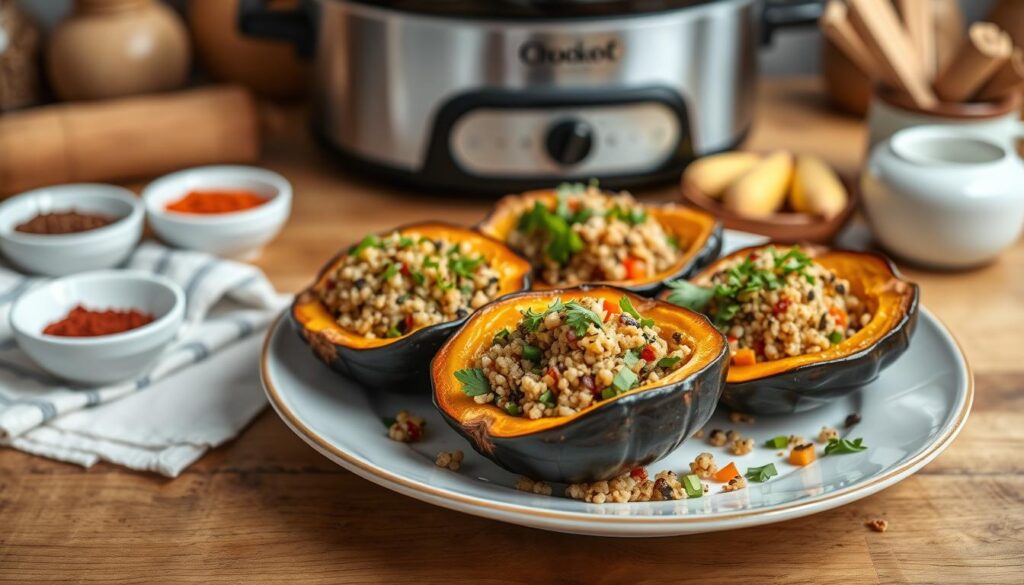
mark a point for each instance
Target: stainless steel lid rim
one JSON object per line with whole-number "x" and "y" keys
{"x": 507, "y": 10}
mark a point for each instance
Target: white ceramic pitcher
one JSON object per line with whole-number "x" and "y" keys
{"x": 946, "y": 196}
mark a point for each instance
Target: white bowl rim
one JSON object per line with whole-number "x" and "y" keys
{"x": 904, "y": 142}
{"x": 282, "y": 195}
{"x": 175, "y": 313}
{"x": 77, "y": 238}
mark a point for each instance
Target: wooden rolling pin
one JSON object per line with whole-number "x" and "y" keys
{"x": 127, "y": 138}
{"x": 985, "y": 50}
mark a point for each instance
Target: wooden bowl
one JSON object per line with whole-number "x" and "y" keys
{"x": 783, "y": 226}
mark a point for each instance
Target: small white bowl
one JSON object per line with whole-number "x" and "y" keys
{"x": 107, "y": 358}
{"x": 63, "y": 254}
{"x": 240, "y": 234}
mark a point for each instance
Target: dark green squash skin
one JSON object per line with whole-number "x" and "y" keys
{"x": 632, "y": 431}
{"x": 402, "y": 366}
{"x": 814, "y": 385}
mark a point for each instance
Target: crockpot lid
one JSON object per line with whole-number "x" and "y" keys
{"x": 531, "y": 9}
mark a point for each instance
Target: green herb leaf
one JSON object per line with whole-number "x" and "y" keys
{"x": 624, "y": 380}
{"x": 693, "y": 486}
{"x": 835, "y": 337}
{"x": 405, "y": 241}
{"x": 501, "y": 336}
{"x": 474, "y": 381}
{"x": 632, "y": 216}
{"x": 393, "y": 332}
{"x": 531, "y": 353}
{"x": 391, "y": 270}
{"x": 419, "y": 278}
{"x": 445, "y": 285}
{"x": 690, "y": 296}
{"x": 512, "y": 408}
{"x": 668, "y": 362}
{"x": 463, "y": 266}
{"x": 608, "y": 393}
{"x": 368, "y": 241}
{"x": 547, "y": 398}
{"x": 761, "y": 474}
{"x": 430, "y": 263}
{"x": 843, "y": 446}
{"x": 779, "y": 442}
{"x": 672, "y": 240}
{"x": 578, "y": 318}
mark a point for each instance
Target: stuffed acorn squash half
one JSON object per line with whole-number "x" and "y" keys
{"x": 579, "y": 234}
{"x": 805, "y": 324}
{"x": 379, "y": 311}
{"x": 579, "y": 384}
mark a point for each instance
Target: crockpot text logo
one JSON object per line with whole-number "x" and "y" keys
{"x": 538, "y": 53}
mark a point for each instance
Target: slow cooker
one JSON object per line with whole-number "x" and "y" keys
{"x": 503, "y": 95}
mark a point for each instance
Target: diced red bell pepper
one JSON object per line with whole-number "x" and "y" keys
{"x": 648, "y": 353}
{"x": 638, "y": 473}
{"x": 780, "y": 307}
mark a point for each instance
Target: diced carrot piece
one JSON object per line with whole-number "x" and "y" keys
{"x": 744, "y": 357}
{"x": 609, "y": 309}
{"x": 802, "y": 456}
{"x": 726, "y": 473}
{"x": 840, "y": 315}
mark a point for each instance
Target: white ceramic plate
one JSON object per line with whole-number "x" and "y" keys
{"x": 911, "y": 413}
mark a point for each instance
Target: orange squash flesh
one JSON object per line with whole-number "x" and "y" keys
{"x": 692, "y": 228}
{"x": 314, "y": 317}
{"x": 705, "y": 342}
{"x": 872, "y": 280}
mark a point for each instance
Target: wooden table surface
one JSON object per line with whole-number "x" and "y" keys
{"x": 267, "y": 508}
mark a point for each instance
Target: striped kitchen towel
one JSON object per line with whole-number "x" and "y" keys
{"x": 201, "y": 392}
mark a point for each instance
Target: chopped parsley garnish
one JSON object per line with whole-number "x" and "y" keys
{"x": 835, "y": 337}
{"x": 843, "y": 446}
{"x": 627, "y": 307}
{"x": 501, "y": 336}
{"x": 608, "y": 393}
{"x": 464, "y": 266}
{"x": 393, "y": 332}
{"x": 672, "y": 240}
{"x": 779, "y": 442}
{"x": 692, "y": 486}
{"x": 474, "y": 381}
{"x": 430, "y": 263}
{"x": 531, "y": 353}
{"x": 634, "y": 216}
{"x": 690, "y": 296}
{"x": 547, "y": 398}
{"x": 512, "y": 408}
{"x": 578, "y": 318}
{"x": 532, "y": 319}
{"x": 368, "y": 241}
{"x": 445, "y": 285}
{"x": 668, "y": 362}
{"x": 419, "y": 278}
{"x": 741, "y": 280}
{"x": 761, "y": 474}
{"x": 624, "y": 380}
{"x": 405, "y": 241}
{"x": 391, "y": 270}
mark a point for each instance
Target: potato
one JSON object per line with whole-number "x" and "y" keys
{"x": 712, "y": 174}
{"x": 816, "y": 188}
{"x": 762, "y": 190}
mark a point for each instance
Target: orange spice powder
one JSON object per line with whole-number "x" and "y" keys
{"x": 221, "y": 201}
{"x": 82, "y": 322}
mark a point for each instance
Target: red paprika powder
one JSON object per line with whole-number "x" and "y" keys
{"x": 223, "y": 201}
{"x": 82, "y": 322}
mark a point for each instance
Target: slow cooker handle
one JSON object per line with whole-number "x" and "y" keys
{"x": 293, "y": 25}
{"x": 788, "y": 13}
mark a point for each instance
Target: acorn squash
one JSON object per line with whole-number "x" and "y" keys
{"x": 699, "y": 235}
{"x": 606, "y": 438}
{"x": 398, "y": 363}
{"x": 800, "y": 383}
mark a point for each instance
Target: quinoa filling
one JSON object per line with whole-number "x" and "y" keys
{"x": 589, "y": 236}
{"x": 773, "y": 304}
{"x": 391, "y": 285}
{"x": 565, "y": 357}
